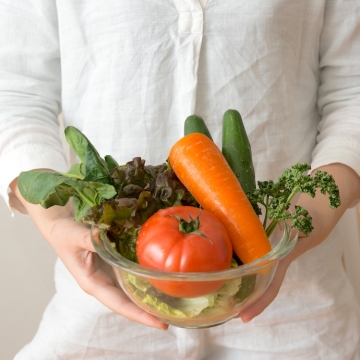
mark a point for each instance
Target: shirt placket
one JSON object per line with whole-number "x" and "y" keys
{"x": 191, "y": 24}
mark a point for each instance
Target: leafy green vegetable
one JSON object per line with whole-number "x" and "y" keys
{"x": 92, "y": 167}
{"x": 49, "y": 188}
{"x": 181, "y": 307}
{"x": 88, "y": 182}
{"x": 118, "y": 198}
{"x": 111, "y": 162}
{"x": 184, "y": 307}
{"x": 141, "y": 191}
{"x": 276, "y": 197}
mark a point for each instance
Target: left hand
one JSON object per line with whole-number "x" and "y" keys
{"x": 324, "y": 220}
{"x": 71, "y": 241}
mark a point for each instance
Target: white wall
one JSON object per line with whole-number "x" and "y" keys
{"x": 26, "y": 276}
{"x": 26, "y": 280}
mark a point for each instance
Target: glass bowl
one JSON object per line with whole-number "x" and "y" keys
{"x": 239, "y": 287}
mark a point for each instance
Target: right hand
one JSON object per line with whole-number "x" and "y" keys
{"x": 324, "y": 220}
{"x": 72, "y": 243}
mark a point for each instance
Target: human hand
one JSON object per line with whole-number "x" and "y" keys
{"x": 324, "y": 220}
{"x": 72, "y": 243}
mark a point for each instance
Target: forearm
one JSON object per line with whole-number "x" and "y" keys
{"x": 325, "y": 218}
{"x": 348, "y": 182}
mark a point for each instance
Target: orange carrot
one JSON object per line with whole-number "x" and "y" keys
{"x": 202, "y": 168}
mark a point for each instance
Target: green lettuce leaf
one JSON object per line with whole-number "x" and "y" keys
{"x": 216, "y": 302}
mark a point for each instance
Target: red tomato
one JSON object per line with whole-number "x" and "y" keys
{"x": 161, "y": 245}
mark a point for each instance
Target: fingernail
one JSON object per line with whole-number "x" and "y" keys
{"x": 246, "y": 320}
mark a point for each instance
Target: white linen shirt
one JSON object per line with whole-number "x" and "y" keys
{"x": 128, "y": 73}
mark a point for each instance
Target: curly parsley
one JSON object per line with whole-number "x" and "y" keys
{"x": 275, "y": 197}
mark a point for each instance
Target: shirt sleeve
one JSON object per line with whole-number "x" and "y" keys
{"x": 339, "y": 92}
{"x": 30, "y": 91}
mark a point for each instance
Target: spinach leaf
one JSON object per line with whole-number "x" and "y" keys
{"x": 111, "y": 162}
{"x": 75, "y": 172}
{"x": 49, "y": 188}
{"x": 93, "y": 167}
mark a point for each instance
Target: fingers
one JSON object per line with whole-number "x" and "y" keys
{"x": 269, "y": 295}
{"x": 72, "y": 242}
{"x": 118, "y": 302}
{"x": 303, "y": 244}
{"x": 98, "y": 279}
{"x": 84, "y": 238}
{"x": 67, "y": 235}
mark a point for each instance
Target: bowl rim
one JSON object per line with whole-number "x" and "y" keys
{"x": 105, "y": 250}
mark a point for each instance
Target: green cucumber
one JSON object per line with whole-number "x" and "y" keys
{"x": 246, "y": 287}
{"x": 196, "y": 124}
{"x": 237, "y": 150}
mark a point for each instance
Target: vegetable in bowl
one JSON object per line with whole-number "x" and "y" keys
{"x": 122, "y": 199}
{"x": 241, "y": 285}
{"x": 184, "y": 239}
{"x": 202, "y": 168}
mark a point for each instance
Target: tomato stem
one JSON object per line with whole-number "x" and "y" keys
{"x": 190, "y": 227}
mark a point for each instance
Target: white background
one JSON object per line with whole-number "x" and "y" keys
{"x": 26, "y": 280}
{"x": 26, "y": 277}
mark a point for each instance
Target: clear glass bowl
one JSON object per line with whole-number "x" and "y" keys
{"x": 241, "y": 286}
